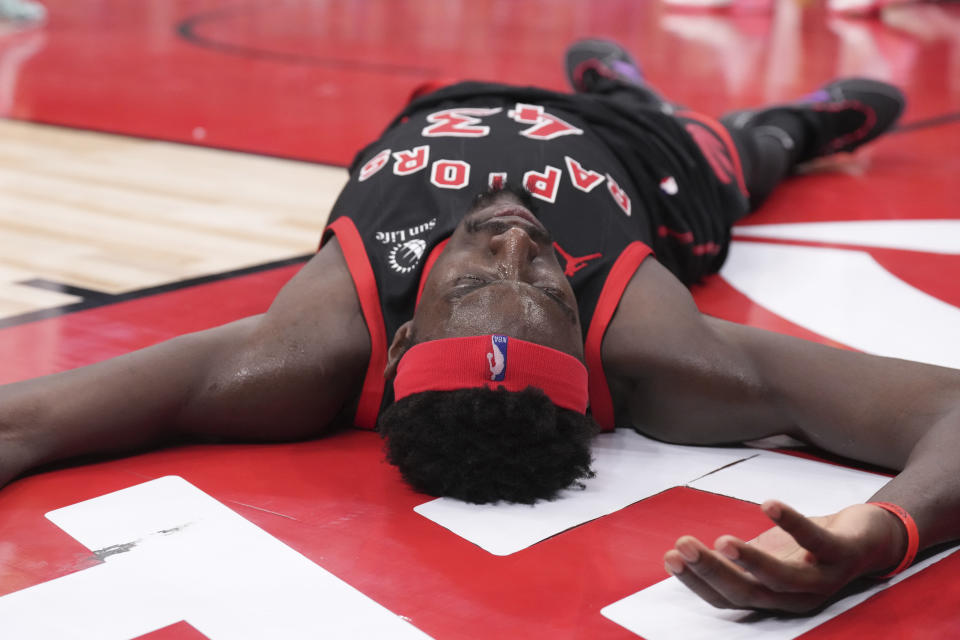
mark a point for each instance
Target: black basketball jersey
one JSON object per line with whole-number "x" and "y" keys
{"x": 408, "y": 191}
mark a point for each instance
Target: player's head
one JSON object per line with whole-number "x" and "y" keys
{"x": 491, "y": 386}
{"x": 498, "y": 274}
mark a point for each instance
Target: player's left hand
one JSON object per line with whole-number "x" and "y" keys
{"x": 796, "y": 566}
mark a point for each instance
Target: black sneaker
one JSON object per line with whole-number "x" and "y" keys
{"x": 589, "y": 60}
{"x": 854, "y": 111}
{"x": 840, "y": 117}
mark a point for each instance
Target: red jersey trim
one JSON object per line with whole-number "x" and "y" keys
{"x": 371, "y": 395}
{"x": 721, "y": 132}
{"x": 601, "y": 402}
{"x": 428, "y": 265}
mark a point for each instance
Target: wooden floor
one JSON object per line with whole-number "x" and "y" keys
{"x": 113, "y": 214}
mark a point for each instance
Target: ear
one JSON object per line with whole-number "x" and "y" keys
{"x": 401, "y": 342}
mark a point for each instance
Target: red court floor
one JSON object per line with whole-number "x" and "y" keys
{"x": 316, "y": 81}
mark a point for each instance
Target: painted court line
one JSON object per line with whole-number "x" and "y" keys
{"x": 172, "y": 553}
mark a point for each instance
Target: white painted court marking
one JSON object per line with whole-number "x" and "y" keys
{"x": 812, "y": 488}
{"x": 932, "y": 236}
{"x": 629, "y": 468}
{"x": 670, "y": 611}
{"x": 173, "y": 553}
{"x": 845, "y": 295}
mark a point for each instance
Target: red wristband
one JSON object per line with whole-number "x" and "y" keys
{"x": 913, "y": 536}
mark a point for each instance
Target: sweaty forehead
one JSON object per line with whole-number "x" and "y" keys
{"x": 509, "y": 308}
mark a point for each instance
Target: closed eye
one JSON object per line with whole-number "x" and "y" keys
{"x": 556, "y": 294}
{"x": 464, "y": 285}
{"x": 467, "y": 284}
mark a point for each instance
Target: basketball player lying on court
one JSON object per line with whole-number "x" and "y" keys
{"x": 543, "y": 316}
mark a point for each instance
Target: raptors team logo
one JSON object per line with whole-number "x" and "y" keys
{"x": 497, "y": 358}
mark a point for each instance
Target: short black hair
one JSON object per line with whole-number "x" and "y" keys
{"x": 486, "y": 445}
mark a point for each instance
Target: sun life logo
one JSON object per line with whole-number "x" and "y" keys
{"x": 405, "y": 256}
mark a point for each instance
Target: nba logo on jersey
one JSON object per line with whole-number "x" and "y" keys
{"x": 497, "y": 358}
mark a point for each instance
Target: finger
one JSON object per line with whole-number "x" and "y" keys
{"x": 675, "y": 565}
{"x": 731, "y": 584}
{"x": 736, "y": 588}
{"x": 774, "y": 573}
{"x": 805, "y": 531}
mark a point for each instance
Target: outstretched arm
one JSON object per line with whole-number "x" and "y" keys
{"x": 701, "y": 380}
{"x": 282, "y": 375}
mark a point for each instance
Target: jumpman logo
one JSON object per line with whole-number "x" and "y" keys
{"x": 574, "y": 264}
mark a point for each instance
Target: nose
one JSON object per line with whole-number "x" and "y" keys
{"x": 514, "y": 249}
